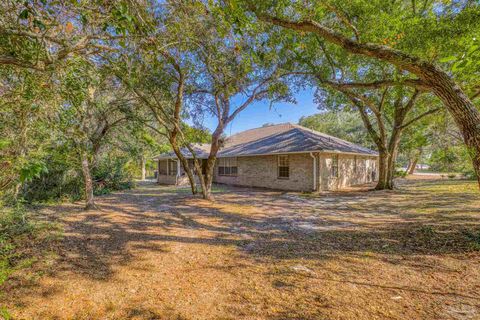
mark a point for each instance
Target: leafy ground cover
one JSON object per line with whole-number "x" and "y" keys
{"x": 157, "y": 253}
{"x": 25, "y": 239}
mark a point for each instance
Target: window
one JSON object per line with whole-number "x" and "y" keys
{"x": 227, "y": 167}
{"x": 162, "y": 167}
{"x": 283, "y": 167}
{"x": 355, "y": 164}
{"x": 334, "y": 168}
{"x": 172, "y": 167}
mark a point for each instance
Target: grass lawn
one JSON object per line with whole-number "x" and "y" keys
{"x": 157, "y": 253}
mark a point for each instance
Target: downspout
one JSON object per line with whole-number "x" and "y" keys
{"x": 178, "y": 172}
{"x": 314, "y": 171}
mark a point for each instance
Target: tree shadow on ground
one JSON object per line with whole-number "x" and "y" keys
{"x": 290, "y": 230}
{"x": 265, "y": 226}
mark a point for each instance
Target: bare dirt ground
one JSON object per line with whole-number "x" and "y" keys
{"x": 157, "y": 253}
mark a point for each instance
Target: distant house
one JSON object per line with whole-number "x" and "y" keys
{"x": 284, "y": 156}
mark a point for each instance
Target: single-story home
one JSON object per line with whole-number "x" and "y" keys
{"x": 283, "y": 156}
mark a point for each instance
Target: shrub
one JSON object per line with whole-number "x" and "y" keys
{"x": 400, "y": 173}
{"x": 112, "y": 174}
{"x": 451, "y": 159}
{"x": 14, "y": 223}
{"x": 469, "y": 174}
{"x": 63, "y": 180}
{"x": 474, "y": 238}
{"x": 59, "y": 182}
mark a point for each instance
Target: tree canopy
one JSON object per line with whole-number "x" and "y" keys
{"x": 83, "y": 81}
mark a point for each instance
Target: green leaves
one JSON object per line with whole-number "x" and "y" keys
{"x": 4, "y": 143}
{"x": 39, "y": 24}
{"x": 31, "y": 170}
{"x": 448, "y": 59}
{"x": 24, "y": 14}
{"x": 342, "y": 124}
{"x": 123, "y": 20}
{"x": 466, "y": 64}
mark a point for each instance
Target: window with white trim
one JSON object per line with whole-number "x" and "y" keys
{"x": 283, "y": 167}
{"x": 227, "y": 166}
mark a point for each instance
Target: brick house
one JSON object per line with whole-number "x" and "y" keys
{"x": 284, "y": 156}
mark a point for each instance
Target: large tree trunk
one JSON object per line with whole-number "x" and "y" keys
{"x": 87, "y": 177}
{"x": 391, "y": 164}
{"x": 383, "y": 160}
{"x": 210, "y": 166}
{"x": 412, "y": 164}
{"x": 207, "y": 187}
{"x": 186, "y": 167}
{"x": 390, "y": 173}
{"x": 463, "y": 111}
{"x": 393, "y": 144}
{"x": 176, "y": 129}
{"x": 432, "y": 78}
{"x": 201, "y": 177}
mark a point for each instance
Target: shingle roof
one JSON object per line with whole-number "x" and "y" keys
{"x": 201, "y": 151}
{"x": 277, "y": 139}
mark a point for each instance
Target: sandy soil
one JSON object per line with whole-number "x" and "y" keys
{"x": 157, "y": 253}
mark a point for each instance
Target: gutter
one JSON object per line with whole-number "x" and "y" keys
{"x": 314, "y": 171}
{"x": 280, "y": 153}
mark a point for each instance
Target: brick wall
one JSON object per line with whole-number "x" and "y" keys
{"x": 352, "y": 170}
{"x": 261, "y": 171}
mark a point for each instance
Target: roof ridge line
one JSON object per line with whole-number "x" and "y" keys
{"x": 323, "y": 134}
{"x": 273, "y": 125}
{"x": 300, "y": 128}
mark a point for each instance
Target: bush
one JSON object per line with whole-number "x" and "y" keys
{"x": 474, "y": 238}
{"x": 451, "y": 159}
{"x": 59, "y": 182}
{"x": 63, "y": 180}
{"x": 400, "y": 173}
{"x": 469, "y": 174}
{"x": 14, "y": 223}
{"x": 112, "y": 174}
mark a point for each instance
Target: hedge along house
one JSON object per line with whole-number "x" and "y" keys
{"x": 283, "y": 156}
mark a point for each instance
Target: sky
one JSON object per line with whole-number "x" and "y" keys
{"x": 259, "y": 113}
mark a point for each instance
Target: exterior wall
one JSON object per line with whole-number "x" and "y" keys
{"x": 327, "y": 182}
{"x": 261, "y": 171}
{"x": 348, "y": 175}
{"x": 180, "y": 180}
{"x": 164, "y": 179}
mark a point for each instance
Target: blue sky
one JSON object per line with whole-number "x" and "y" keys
{"x": 260, "y": 113}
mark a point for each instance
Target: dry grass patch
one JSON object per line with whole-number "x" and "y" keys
{"x": 153, "y": 253}
{"x": 227, "y": 208}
